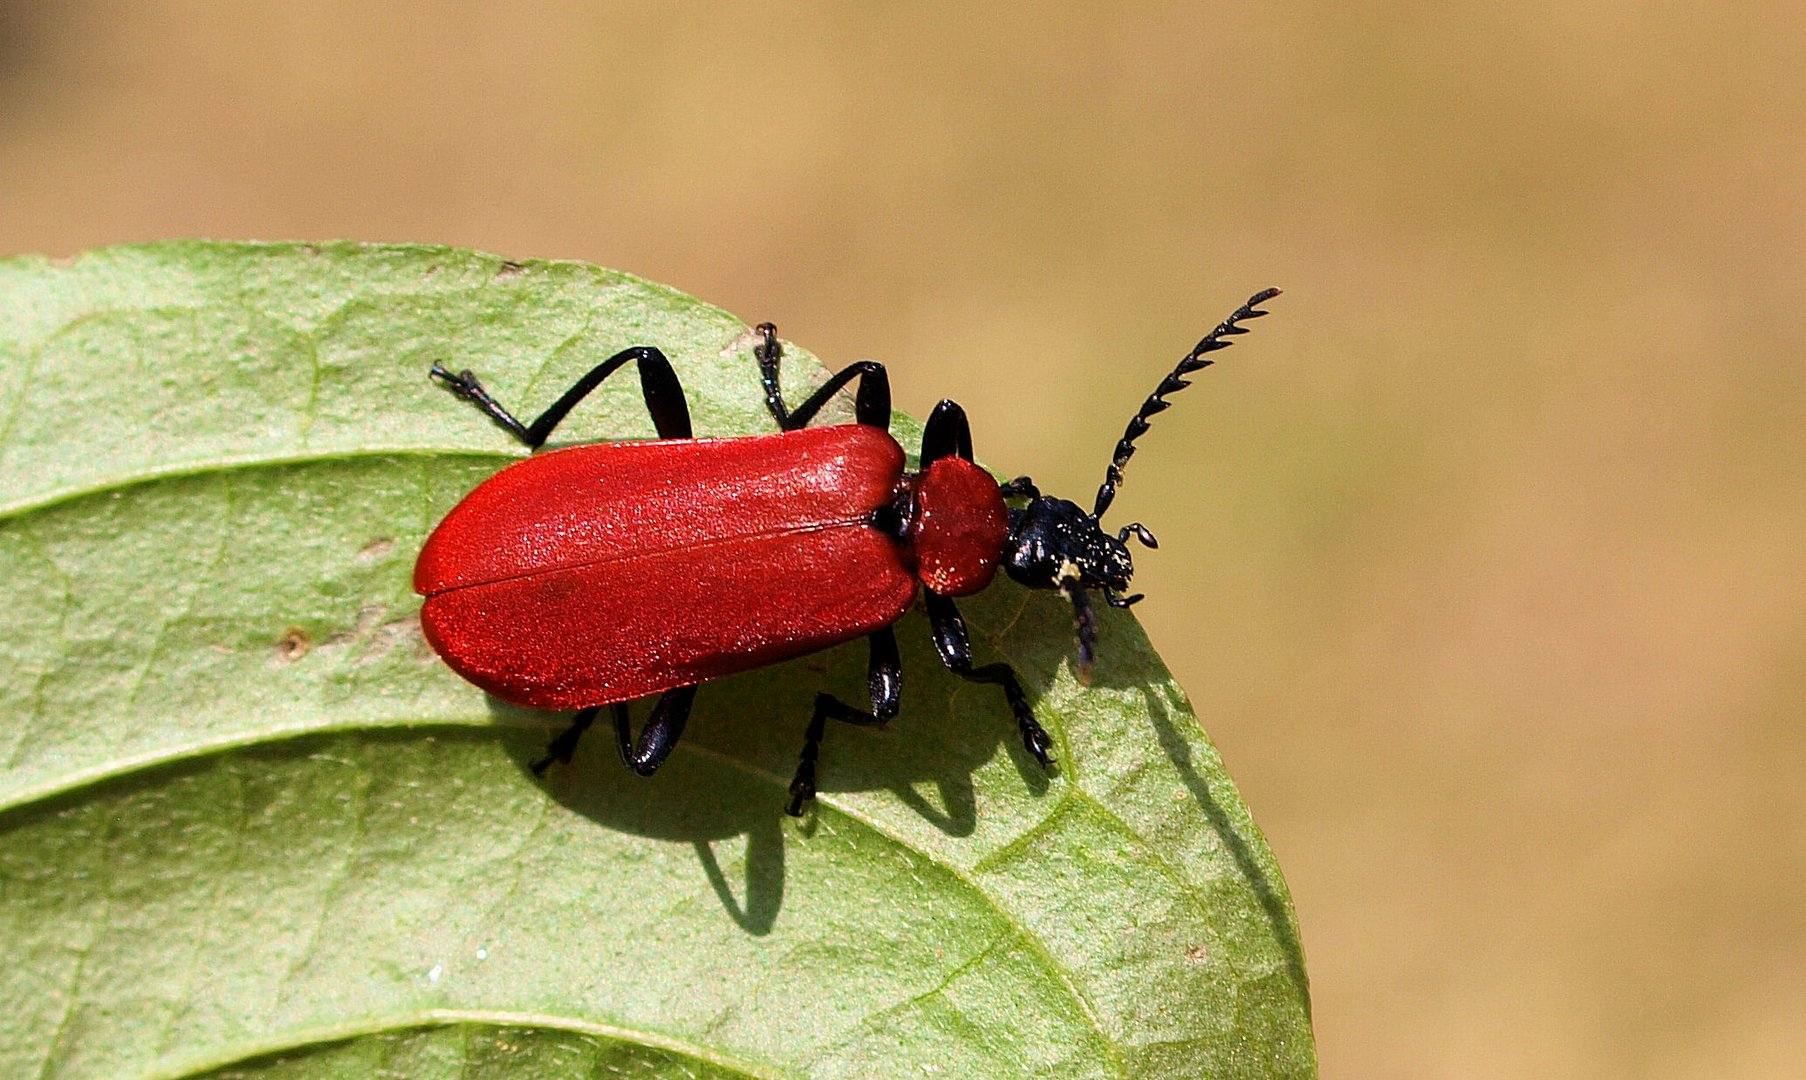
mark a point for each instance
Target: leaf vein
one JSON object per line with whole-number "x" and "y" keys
{"x": 96, "y": 927}
{"x": 435, "y": 1018}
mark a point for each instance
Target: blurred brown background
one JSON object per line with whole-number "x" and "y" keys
{"x": 1481, "y": 557}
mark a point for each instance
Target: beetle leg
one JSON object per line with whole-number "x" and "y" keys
{"x": 884, "y": 681}
{"x": 946, "y": 434}
{"x": 561, "y": 748}
{"x": 658, "y": 383}
{"x": 871, "y": 402}
{"x": 769, "y": 352}
{"x": 465, "y": 385}
{"x": 955, "y": 647}
{"x": 659, "y": 737}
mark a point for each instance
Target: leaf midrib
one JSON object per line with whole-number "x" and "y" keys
{"x": 427, "y": 1019}
{"x": 54, "y": 497}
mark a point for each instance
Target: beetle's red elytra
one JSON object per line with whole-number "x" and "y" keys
{"x": 590, "y": 576}
{"x": 612, "y": 587}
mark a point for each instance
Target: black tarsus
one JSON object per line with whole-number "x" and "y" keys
{"x": 955, "y": 647}
{"x": 871, "y": 402}
{"x": 1196, "y": 360}
{"x": 947, "y": 434}
{"x": 884, "y": 683}
{"x": 561, "y": 748}
{"x": 658, "y": 383}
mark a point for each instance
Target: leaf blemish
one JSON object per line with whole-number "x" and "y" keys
{"x": 375, "y": 550}
{"x": 294, "y": 645}
{"x": 510, "y": 268}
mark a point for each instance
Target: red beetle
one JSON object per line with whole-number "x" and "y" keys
{"x": 597, "y": 574}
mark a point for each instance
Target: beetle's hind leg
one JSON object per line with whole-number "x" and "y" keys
{"x": 659, "y": 737}
{"x": 884, "y": 681}
{"x": 871, "y": 402}
{"x": 955, "y": 647}
{"x": 658, "y": 383}
{"x": 643, "y": 755}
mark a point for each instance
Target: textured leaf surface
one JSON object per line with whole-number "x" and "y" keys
{"x": 249, "y": 826}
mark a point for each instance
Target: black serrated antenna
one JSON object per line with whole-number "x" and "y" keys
{"x": 1197, "y": 360}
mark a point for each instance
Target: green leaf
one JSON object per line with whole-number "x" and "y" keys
{"x": 250, "y": 826}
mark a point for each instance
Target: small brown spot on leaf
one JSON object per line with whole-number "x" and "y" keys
{"x": 375, "y": 550}
{"x": 510, "y": 269}
{"x": 1197, "y": 954}
{"x": 294, "y": 644}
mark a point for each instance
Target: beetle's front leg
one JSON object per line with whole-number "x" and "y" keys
{"x": 884, "y": 682}
{"x": 955, "y": 647}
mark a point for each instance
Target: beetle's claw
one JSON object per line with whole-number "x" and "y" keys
{"x": 1039, "y": 742}
{"x": 464, "y": 383}
{"x": 802, "y": 788}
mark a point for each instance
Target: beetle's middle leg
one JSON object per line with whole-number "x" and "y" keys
{"x": 884, "y": 681}
{"x": 947, "y": 434}
{"x": 658, "y": 382}
{"x": 871, "y": 402}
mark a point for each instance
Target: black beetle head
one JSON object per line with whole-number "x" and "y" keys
{"x": 1055, "y": 545}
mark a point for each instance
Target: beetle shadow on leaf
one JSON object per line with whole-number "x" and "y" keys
{"x": 725, "y": 785}
{"x": 696, "y": 798}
